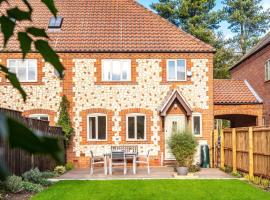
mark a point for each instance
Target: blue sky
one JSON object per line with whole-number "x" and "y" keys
{"x": 227, "y": 33}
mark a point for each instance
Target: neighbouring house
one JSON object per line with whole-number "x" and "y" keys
{"x": 254, "y": 67}
{"x": 131, "y": 78}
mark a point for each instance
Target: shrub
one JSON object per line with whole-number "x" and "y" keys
{"x": 228, "y": 169}
{"x": 265, "y": 183}
{"x": 48, "y": 174}
{"x": 35, "y": 176}
{"x": 194, "y": 168}
{"x": 183, "y": 146}
{"x": 60, "y": 170}
{"x": 237, "y": 174}
{"x": 32, "y": 187}
{"x": 14, "y": 184}
{"x": 69, "y": 166}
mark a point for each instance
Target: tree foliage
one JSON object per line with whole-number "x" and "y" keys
{"x": 64, "y": 118}
{"x": 12, "y": 131}
{"x": 193, "y": 16}
{"x": 248, "y": 20}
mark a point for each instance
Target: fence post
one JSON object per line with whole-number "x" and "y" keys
{"x": 234, "y": 150}
{"x": 250, "y": 151}
{"x": 221, "y": 149}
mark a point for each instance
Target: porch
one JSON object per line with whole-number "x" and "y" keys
{"x": 156, "y": 173}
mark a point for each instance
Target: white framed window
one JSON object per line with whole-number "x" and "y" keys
{"x": 267, "y": 70}
{"x": 116, "y": 69}
{"x": 44, "y": 117}
{"x": 136, "y": 126}
{"x": 26, "y": 70}
{"x": 197, "y": 124}
{"x": 97, "y": 126}
{"x": 176, "y": 70}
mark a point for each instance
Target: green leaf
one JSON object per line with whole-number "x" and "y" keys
{"x": 25, "y": 43}
{"x": 7, "y": 28}
{"x": 18, "y": 14}
{"x": 50, "y": 55}
{"x": 14, "y": 81}
{"x": 51, "y": 6}
{"x": 37, "y": 32}
{"x": 28, "y": 5}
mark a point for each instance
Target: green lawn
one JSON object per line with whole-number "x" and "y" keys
{"x": 153, "y": 189}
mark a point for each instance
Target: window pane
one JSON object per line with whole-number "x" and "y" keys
{"x": 32, "y": 70}
{"x": 140, "y": 127}
{"x": 116, "y": 71}
{"x": 171, "y": 70}
{"x": 45, "y": 118}
{"x": 131, "y": 127}
{"x": 106, "y": 70}
{"x": 196, "y": 125}
{"x": 126, "y": 70}
{"x": 101, "y": 127}
{"x": 181, "y": 70}
{"x": 92, "y": 127}
{"x": 12, "y": 65}
{"x": 22, "y": 71}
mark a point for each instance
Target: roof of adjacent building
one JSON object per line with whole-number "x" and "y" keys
{"x": 111, "y": 26}
{"x": 264, "y": 42}
{"x": 229, "y": 91}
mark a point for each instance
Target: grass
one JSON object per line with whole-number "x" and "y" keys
{"x": 153, "y": 189}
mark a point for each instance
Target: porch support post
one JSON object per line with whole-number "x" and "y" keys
{"x": 234, "y": 150}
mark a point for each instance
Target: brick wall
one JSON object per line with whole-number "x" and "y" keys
{"x": 253, "y": 69}
{"x": 87, "y": 94}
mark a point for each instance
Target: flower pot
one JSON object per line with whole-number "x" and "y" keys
{"x": 182, "y": 171}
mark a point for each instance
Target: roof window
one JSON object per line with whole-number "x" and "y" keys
{"x": 55, "y": 22}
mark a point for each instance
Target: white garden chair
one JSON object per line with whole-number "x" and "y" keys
{"x": 97, "y": 160}
{"x": 144, "y": 160}
{"x": 118, "y": 158}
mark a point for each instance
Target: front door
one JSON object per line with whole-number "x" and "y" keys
{"x": 172, "y": 123}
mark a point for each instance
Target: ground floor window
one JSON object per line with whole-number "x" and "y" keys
{"x": 136, "y": 127}
{"x": 97, "y": 127}
{"x": 197, "y": 124}
{"x": 44, "y": 117}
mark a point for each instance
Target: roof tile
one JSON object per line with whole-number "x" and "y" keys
{"x": 111, "y": 26}
{"x": 229, "y": 91}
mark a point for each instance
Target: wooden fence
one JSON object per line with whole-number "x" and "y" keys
{"x": 244, "y": 149}
{"x": 18, "y": 161}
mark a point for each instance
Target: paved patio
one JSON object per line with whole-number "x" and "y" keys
{"x": 156, "y": 173}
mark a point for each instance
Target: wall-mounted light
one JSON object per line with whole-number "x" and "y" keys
{"x": 189, "y": 73}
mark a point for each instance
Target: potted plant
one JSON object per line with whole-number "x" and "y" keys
{"x": 183, "y": 147}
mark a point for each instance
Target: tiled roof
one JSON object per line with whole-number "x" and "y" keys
{"x": 112, "y": 26}
{"x": 229, "y": 91}
{"x": 264, "y": 42}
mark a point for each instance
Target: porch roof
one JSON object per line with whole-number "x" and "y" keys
{"x": 175, "y": 95}
{"x": 229, "y": 91}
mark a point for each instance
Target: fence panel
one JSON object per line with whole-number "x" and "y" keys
{"x": 17, "y": 160}
{"x": 252, "y": 150}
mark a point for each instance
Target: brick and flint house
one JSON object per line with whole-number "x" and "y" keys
{"x": 131, "y": 78}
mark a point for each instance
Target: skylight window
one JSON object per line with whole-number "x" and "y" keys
{"x": 55, "y": 22}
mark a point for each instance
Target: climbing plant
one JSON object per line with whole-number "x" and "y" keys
{"x": 64, "y": 118}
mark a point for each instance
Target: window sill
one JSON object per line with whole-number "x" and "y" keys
{"x": 116, "y": 83}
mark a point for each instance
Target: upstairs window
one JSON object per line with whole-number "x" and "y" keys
{"x": 43, "y": 117}
{"x": 116, "y": 70}
{"x": 197, "y": 124}
{"x": 97, "y": 127}
{"x": 136, "y": 127}
{"x": 55, "y": 22}
{"x": 267, "y": 70}
{"x": 26, "y": 70}
{"x": 176, "y": 70}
